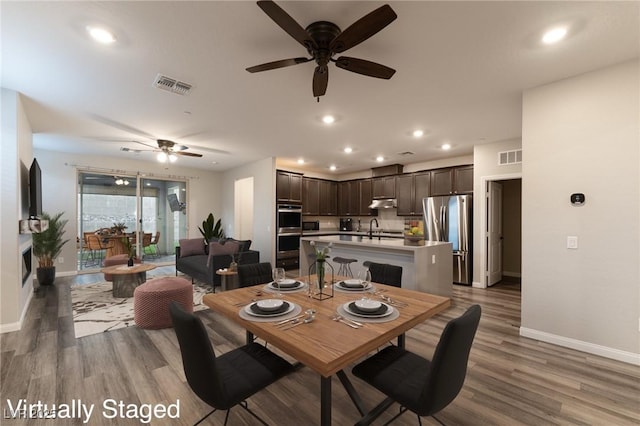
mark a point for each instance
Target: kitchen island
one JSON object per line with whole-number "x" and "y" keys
{"x": 426, "y": 266}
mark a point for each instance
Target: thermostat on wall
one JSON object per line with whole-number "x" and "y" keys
{"x": 577, "y": 199}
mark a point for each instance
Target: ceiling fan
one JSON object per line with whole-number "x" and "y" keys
{"x": 167, "y": 150}
{"x": 323, "y": 40}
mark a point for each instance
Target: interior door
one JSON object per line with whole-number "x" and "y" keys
{"x": 494, "y": 232}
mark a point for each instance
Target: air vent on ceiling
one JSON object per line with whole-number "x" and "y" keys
{"x": 125, "y": 149}
{"x": 510, "y": 157}
{"x": 172, "y": 85}
{"x": 405, "y": 153}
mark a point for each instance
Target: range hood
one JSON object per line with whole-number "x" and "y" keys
{"x": 387, "y": 203}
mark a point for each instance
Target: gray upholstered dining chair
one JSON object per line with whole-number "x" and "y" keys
{"x": 254, "y": 274}
{"x": 227, "y": 380}
{"x": 384, "y": 273}
{"x": 420, "y": 385}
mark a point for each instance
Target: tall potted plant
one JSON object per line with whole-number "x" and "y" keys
{"x": 211, "y": 229}
{"x": 47, "y": 246}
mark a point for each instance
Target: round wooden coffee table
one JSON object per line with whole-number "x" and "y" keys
{"x": 127, "y": 278}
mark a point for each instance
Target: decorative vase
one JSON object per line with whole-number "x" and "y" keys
{"x": 320, "y": 273}
{"x": 233, "y": 266}
{"x": 130, "y": 261}
{"x": 320, "y": 268}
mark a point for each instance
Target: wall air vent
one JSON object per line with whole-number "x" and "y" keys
{"x": 510, "y": 157}
{"x": 172, "y": 85}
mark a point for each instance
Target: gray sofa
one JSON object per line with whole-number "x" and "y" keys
{"x": 196, "y": 267}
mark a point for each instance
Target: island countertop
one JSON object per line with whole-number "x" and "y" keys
{"x": 426, "y": 265}
{"x": 389, "y": 242}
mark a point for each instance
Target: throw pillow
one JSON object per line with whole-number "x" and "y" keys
{"x": 191, "y": 246}
{"x": 244, "y": 244}
{"x": 229, "y": 248}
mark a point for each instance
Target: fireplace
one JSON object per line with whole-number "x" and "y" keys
{"x": 26, "y": 265}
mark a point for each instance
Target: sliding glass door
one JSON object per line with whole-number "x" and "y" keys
{"x": 115, "y": 212}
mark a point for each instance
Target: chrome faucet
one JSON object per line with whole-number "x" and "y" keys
{"x": 371, "y": 226}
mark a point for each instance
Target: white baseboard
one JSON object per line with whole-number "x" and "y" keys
{"x": 476, "y": 284}
{"x": 15, "y": 326}
{"x": 592, "y": 348}
{"x": 66, "y": 274}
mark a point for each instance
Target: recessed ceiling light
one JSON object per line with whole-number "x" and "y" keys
{"x": 328, "y": 119}
{"x": 554, "y": 35}
{"x": 418, "y": 133}
{"x": 445, "y": 146}
{"x": 332, "y": 168}
{"x": 300, "y": 161}
{"x": 379, "y": 158}
{"x": 348, "y": 150}
{"x": 101, "y": 35}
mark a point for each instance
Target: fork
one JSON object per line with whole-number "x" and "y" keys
{"x": 343, "y": 320}
{"x": 394, "y": 302}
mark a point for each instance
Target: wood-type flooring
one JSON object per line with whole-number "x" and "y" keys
{"x": 511, "y": 380}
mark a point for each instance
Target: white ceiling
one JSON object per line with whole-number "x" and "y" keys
{"x": 461, "y": 70}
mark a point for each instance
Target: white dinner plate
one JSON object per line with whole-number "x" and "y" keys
{"x": 358, "y": 314}
{"x": 272, "y": 286}
{"x": 248, "y": 310}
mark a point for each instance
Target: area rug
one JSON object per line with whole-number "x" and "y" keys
{"x": 95, "y": 310}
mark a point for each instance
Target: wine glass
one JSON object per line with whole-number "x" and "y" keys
{"x": 278, "y": 275}
{"x": 365, "y": 277}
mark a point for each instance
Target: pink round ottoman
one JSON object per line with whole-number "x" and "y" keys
{"x": 151, "y": 301}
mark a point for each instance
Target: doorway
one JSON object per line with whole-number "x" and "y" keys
{"x": 118, "y": 214}
{"x": 501, "y": 256}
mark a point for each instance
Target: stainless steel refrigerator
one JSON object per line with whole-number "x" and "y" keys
{"x": 449, "y": 219}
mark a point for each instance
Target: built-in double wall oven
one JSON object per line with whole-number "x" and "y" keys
{"x": 289, "y": 225}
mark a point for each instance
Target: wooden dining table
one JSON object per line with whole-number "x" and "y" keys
{"x": 326, "y": 346}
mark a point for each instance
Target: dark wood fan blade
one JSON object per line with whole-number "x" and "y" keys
{"x": 363, "y": 28}
{"x": 187, "y": 154}
{"x": 278, "y": 64}
{"x": 363, "y": 67}
{"x": 320, "y": 80}
{"x": 287, "y": 23}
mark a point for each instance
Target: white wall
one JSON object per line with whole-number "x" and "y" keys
{"x": 15, "y": 159}
{"x": 264, "y": 195}
{"x": 486, "y": 167}
{"x": 582, "y": 135}
{"x": 59, "y": 171}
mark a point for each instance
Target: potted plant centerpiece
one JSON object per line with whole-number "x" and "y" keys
{"x": 47, "y": 245}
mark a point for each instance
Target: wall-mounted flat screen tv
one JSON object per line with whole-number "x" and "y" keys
{"x": 174, "y": 203}
{"x": 35, "y": 190}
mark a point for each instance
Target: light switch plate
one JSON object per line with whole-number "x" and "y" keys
{"x": 572, "y": 242}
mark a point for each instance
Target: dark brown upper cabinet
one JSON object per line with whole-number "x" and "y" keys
{"x": 288, "y": 187}
{"x": 384, "y": 187}
{"x": 328, "y": 198}
{"x": 319, "y": 197}
{"x": 310, "y": 196}
{"x": 354, "y": 198}
{"x": 454, "y": 180}
{"x": 410, "y": 190}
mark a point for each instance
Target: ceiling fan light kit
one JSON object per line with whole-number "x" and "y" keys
{"x": 323, "y": 40}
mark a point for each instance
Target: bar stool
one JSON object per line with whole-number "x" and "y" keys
{"x": 345, "y": 266}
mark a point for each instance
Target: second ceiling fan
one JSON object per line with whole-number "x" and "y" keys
{"x": 324, "y": 39}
